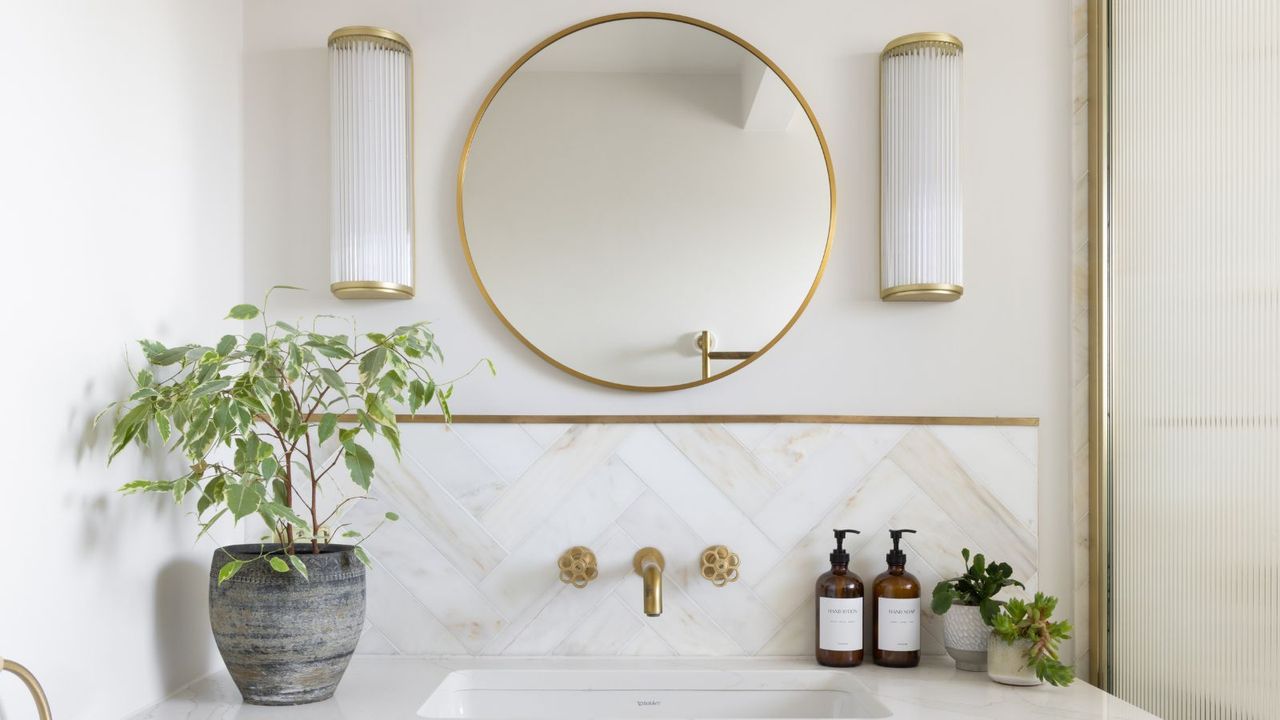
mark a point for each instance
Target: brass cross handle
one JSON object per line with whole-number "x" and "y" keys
{"x": 719, "y": 565}
{"x": 578, "y": 567}
{"x": 37, "y": 692}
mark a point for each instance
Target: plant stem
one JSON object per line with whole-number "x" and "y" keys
{"x": 288, "y": 499}
{"x": 315, "y": 526}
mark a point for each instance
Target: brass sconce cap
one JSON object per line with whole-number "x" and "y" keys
{"x": 902, "y": 44}
{"x": 371, "y": 290}
{"x": 720, "y": 565}
{"x": 578, "y": 566}
{"x": 369, "y": 31}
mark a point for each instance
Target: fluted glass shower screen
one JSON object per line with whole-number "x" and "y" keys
{"x": 1193, "y": 268}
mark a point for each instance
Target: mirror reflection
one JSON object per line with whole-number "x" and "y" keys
{"x": 637, "y": 183}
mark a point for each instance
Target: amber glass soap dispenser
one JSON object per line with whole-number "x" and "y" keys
{"x": 895, "y": 613}
{"x": 839, "y": 611}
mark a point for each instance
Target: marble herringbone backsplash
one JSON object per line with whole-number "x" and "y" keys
{"x": 487, "y": 508}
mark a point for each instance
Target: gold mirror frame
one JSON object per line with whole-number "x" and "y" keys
{"x": 813, "y": 121}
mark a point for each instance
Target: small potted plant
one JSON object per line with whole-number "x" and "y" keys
{"x": 262, "y": 420}
{"x": 1023, "y": 648}
{"x": 967, "y": 604}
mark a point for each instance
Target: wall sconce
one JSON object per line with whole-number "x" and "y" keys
{"x": 371, "y": 233}
{"x": 921, "y": 218}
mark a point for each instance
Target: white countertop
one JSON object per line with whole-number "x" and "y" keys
{"x": 393, "y": 688}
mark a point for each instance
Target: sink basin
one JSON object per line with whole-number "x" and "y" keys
{"x": 575, "y": 694}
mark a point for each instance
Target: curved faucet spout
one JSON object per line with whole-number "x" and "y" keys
{"x": 649, "y": 563}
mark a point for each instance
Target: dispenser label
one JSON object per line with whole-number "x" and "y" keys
{"x": 898, "y": 624}
{"x": 840, "y": 624}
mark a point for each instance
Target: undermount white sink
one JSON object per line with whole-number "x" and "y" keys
{"x": 650, "y": 693}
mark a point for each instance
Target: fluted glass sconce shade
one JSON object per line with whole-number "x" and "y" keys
{"x": 921, "y": 220}
{"x": 371, "y": 164}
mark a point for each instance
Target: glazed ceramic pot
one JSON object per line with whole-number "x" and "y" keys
{"x": 286, "y": 640}
{"x": 1007, "y": 662}
{"x": 965, "y": 636}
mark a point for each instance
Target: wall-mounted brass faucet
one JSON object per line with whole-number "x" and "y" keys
{"x": 649, "y": 564}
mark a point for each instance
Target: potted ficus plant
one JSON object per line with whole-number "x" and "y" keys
{"x": 968, "y": 604}
{"x": 262, "y": 420}
{"x": 1023, "y": 647}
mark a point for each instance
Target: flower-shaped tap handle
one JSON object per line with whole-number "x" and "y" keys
{"x": 719, "y": 565}
{"x": 578, "y": 566}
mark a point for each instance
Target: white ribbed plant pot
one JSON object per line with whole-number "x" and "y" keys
{"x": 1007, "y": 662}
{"x": 965, "y": 636}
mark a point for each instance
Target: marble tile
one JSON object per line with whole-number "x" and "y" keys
{"x": 790, "y": 582}
{"x": 673, "y": 478}
{"x": 725, "y": 462}
{"x": 824, "y": 478}
{"x": 403, "y": 620}
{"x": 487, "y": 509}
{"x": 750, "y": 434}
{"x": 427, "y": 575}
{"x": 604, "y": 631}
{"x": 550, "y": 481}
{"x": 432, "y": 511}
{"x": 992, "y": 460}
{"x": 646, "y": 643}
{"x": 508, "y": 449}
{"x": 564, "y": 611}
{"x": 988, "y": 520}
{"x": 545, "y": 434}
{"x": 530, "y": 567}
{"x": 454, "y": 465}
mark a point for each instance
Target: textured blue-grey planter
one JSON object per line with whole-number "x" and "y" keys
{"x": 285, "y": 640}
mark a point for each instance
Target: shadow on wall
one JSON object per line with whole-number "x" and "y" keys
{"x": 182, "y": 628}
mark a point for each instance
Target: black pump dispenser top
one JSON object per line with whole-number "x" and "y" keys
{"x": 840, "y": 556}
{"x": 896, "y": 556}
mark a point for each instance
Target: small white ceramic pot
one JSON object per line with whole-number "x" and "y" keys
{"x": 965, "y": 636}
{"x": 1007, "y": 662}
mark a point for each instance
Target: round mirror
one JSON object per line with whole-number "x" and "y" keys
{"x": 637, "y": 183}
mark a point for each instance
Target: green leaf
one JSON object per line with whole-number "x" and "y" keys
{"x": 243, "y": 312}
{"x": 492, "y": 370}
{"x": 144, "y": 378}
{"x": 333, "y": 380}
{"x": 286, "y": 327}
{"x": 127, "y": 428}
{"x": 351, "y": 534}
{"x": 168, "y": 357}
{"x": 280, "y": 511}
{"x": 211, "y": 387}
{"x": 227, "y": 571}
{"x": 328, "y": 423}
{"x": 363, "y": 557}
{"x": 359, "y": 464}
{"x": 278, "y": 564}
{"x": 371, "y": 364}
{"x": 392, "y": 516}
{"x": 226, "y": 345}
{"x": 243, "y": 499}
{"x": 300, "y": 566}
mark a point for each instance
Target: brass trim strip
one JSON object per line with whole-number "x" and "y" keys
{"x": 33, "y": 685}
{"x": 922, "y": 292}
{"x": 721, "y": 419}
{"x": 370, "y": 290}
{"x": 493, "y": 92}
{"x": 1099, "y": 346}
{"x": 369, "y": 31}
{"x": 900, "y": 45}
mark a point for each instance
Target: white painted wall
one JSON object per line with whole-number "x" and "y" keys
{"x": 120, "y": 217}
{"x": 1001, "y": 350}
